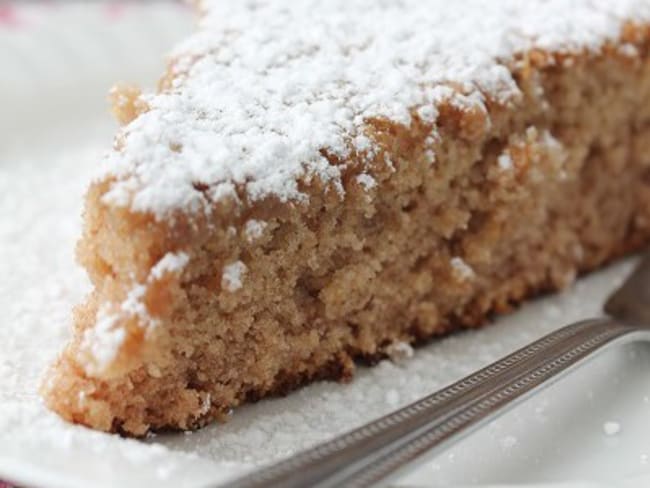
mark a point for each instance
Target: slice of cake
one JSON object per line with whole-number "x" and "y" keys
{"x": 318, "y": 181}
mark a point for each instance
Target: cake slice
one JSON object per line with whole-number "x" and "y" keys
{"x": 317, "y": 182}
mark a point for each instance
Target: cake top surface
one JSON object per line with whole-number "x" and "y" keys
{"x": 263, "y": 86}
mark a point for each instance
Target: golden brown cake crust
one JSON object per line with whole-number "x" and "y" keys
{"x": 254, "y": 299}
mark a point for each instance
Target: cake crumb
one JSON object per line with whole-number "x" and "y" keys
{"x": 399, "y": 352}
{"x": 154, "y": 371}
{"x": 232, "y": 276}
{"x": 126, "y": 102}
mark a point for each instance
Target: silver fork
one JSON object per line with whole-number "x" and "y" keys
{"x": 382, "y": 449}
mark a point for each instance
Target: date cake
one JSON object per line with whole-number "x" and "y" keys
{"x": 317, "y": 182}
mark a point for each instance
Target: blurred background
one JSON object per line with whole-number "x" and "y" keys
{"x": 59, "y": 57}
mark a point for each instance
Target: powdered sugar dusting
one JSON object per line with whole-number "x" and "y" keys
{"x": 170, "y": 263}
{"x": 508, "y": 442}
{"x": 505, "y": 162}
{"x": 104, "y": 339}
{"x": 461, "y": 269}
{"x": 253, "y": 229}
{"x": 367, "y": 181}
{"x": 233, "y": 275}
{"x": 264, "y": 87}
{"x": 133, "y": 304}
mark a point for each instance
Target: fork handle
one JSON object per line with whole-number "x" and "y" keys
{"x": 370, "y": 454}
{"x": 535, "y": 374}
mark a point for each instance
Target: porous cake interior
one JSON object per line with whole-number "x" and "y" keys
{"x": 510, "y": 202}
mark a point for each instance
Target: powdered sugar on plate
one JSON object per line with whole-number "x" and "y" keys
{"x": 611, "y": 428}
{"x": 265, "y": 87}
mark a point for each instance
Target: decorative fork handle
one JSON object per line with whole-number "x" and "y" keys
{"x": 370, "y": 454}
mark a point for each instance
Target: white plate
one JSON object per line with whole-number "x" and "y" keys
{"x": 57, "y": 64}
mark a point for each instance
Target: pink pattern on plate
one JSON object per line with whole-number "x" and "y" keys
{"x": 114, "y": 10}
{"x": 8, "y": 18}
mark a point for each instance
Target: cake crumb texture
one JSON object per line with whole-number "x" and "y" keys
{"x": 246, "y": 267}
